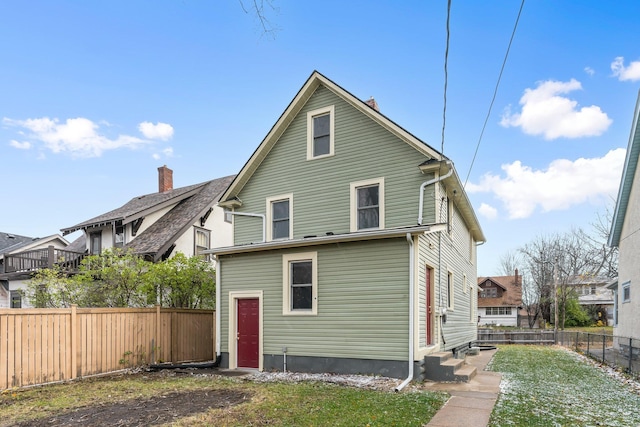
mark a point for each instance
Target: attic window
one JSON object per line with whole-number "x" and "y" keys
{"x": 320, "y": 133}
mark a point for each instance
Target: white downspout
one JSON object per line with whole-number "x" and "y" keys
{"x": 411, "y": 315}
{"x": 432, "y": 181}
{"x": 218, "y": 293}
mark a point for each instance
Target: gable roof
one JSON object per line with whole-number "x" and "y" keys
{"x": 304, "y": 94}
{"x": 626, "y": 182}
{"x": 138, "y": 207}
{"x": 28, "y": 243}
{"x": 10, "y": 242}
{"x": 158, "y": 238}
{"x": 511, "y": 295}
{"x": 193, "y": 201}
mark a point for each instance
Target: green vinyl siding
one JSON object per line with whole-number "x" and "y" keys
{"x": 320, "y": 187}
{"x": 455, "y": 257}
{"x": 362, "y": 300}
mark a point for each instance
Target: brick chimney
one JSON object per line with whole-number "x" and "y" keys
{"x": 372, "y": 103}
{"x": 165, "y": 179}
{"x": 517, "y": 278}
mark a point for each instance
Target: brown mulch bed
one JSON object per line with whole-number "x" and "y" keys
{"x": 156, "y": 410}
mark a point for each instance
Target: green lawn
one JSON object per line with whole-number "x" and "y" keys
{"x": 266, "y": 404}
{"x": 550, "y": 386}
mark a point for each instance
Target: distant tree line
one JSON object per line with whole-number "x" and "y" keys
{"x": 117, "y": 278}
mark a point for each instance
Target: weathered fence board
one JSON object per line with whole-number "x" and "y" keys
{"x": 39, "y": 346}
{"x": 515, "y": 337}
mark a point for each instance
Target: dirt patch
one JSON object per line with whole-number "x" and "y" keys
{"x": 155, "y": 410}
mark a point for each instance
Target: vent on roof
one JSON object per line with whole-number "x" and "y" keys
{"x": 11, "y": 236}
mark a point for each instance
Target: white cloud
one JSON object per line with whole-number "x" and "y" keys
{"x": 545, "y": 112}
{"x": 589, "y": 71}
{"x": 162, "y": 131}
{"x": 20, "y": 145}
{"x": 488, "y": 211}
{"x": 632, "y": 72}
{"x": 562, "y": 185}
{"x": 167, "y": 152}
{"x": 78, "y": 137}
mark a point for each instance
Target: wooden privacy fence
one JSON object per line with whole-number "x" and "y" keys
{"x": 541, "y": 336}
{"x": 39, "y": 346}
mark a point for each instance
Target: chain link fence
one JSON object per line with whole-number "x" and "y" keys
{"x": 618, "y": 352}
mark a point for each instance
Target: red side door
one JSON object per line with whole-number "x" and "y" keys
{"x": 248, "y": 332}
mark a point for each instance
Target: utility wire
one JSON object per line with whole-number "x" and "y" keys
{"x": 495, "y": 92}
{"x": 446, "y": 77}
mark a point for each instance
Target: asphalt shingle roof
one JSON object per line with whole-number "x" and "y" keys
{"x": 511, "y": 296}
{"x": 163, "y": 233}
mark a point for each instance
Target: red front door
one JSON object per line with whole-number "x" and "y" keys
{"x": 428, "y": 308}
{"x": 248, "y": 332}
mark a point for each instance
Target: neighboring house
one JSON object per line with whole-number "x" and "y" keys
{"x": 158, "y": 225}
{"x": 155, "y": 226}
{"x": 17, "y": 257}
{"x": 354, "y": 245}
{"x": 625, "y": 236}
{"x": 594, "y": 296}
{"x": 500, "y": 301}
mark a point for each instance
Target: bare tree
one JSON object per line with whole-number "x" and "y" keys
{"x": 561, "y": 260}
{"x": 257, "y": 8}
{"x": 508, "y": 263}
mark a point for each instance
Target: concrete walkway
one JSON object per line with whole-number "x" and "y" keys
{"x": 471, "y": 403}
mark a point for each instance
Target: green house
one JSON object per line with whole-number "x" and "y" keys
{"x": 354, "y": 246}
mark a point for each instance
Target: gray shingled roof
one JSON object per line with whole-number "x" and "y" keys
{"x": 156, "y": 239}
{"x": 135, "y": 206}
{"x": 10, "y": 242}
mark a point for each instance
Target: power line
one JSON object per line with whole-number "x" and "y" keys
{"x": 446, "y": 77}
{"x": 495, "y": 92}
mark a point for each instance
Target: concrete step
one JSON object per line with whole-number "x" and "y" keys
{"x": 443, "y": 367}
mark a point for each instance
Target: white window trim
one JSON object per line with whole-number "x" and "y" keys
{"x": 452, "y": 289}
{"x": 269, "y": 224}
{"x": 310, "y": 115}
{"x": 286, "y": 283}
{"x": 623, "y": 287}
{"x": 353, "y": 224}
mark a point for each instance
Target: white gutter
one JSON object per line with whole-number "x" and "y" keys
{"x": 411, "y": 315}
{"x": 255, "y": 215}
{"x": 432, "y": 181}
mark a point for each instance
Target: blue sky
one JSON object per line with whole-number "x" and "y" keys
{"x": 95, "y": 96}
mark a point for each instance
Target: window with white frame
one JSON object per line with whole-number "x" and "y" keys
{"x": 626, "y": 292}
{"x": 202, "y": 239}
{"x": 367, "y": 205}
{"x": 320, "y": 134}
{"x": 279, "y": 217}
{"x": 450, "y": 290}
{"x": 300, "y": 284}
{"x": 498, "y": 311}
{"x": 118, "y": 235}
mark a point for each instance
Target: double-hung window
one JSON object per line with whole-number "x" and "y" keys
{"x": 95, "y": 243}
{"x": 626, "y": 292}
{"x": 367, "y": 205}
{"x": 279, "y": 221}
{"x": 118, "y": 235}
{"x": 320, "y": 134}
{"x": 299, "y": 287}
{"x": 202, "y": 238}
